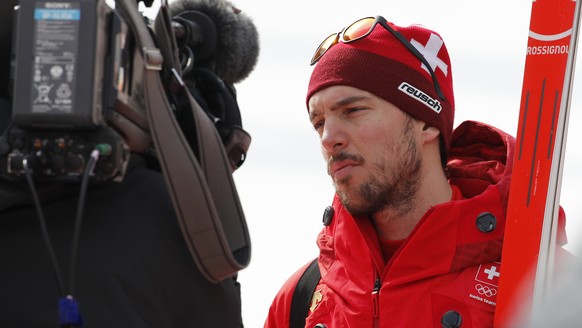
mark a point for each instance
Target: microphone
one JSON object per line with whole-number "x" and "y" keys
{"x": 221, "y": 37}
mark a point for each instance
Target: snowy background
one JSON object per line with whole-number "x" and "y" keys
{"x": 283, "y": 186}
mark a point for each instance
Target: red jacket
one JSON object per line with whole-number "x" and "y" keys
{"x": 447, "y": 268}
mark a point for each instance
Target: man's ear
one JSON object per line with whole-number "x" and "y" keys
{"x": 429, "y": 133}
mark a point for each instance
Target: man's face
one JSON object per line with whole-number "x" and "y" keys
{"x": 371, "y": 148}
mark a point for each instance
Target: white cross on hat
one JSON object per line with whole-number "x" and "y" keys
{"x": 430, "y": 52}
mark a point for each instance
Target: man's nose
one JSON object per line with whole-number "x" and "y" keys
{"x": 333, "y": 136}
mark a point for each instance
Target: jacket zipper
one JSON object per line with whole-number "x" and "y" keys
{"x": 376, "y": 302}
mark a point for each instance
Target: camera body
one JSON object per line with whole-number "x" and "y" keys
{"x": 90, "y": 79}
{"x": 77, "y": 87}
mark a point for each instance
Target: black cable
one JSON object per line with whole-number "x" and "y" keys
{"x": 80, "y": 207}
{"x": 43, "y": 226}
{"x": 68, "y": 307}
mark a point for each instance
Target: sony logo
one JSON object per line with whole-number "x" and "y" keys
{"x": 57, "y": 5}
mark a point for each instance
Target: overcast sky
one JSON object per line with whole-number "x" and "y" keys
{"x": 283, "y": 186}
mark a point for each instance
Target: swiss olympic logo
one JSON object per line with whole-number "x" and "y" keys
{"x": 485, "y": 290}
{"x": 487, "y": 282}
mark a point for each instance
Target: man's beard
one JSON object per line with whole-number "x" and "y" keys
{"x": 391, "y": 186}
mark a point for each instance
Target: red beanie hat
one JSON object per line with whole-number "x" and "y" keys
{"x": 380, "y": 64}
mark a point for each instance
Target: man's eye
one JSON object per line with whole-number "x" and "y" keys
{"x": 353, "y": 110}
{"x": 318, "y": 124}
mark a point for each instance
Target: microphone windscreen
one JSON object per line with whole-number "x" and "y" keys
{"x": 237, "y": 45}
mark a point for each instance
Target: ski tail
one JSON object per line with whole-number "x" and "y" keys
{"x": 530, "y": 232}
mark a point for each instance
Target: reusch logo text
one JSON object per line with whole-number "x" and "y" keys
{"x": 417, "y": 94}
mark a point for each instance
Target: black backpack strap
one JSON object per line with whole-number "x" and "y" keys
{"x": 302, "y": 295}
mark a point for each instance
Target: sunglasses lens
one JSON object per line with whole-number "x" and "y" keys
{"x": 358, "y": 29}
{"x": 324, "y": 46}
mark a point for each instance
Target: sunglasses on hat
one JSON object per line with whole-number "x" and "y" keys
{"x": 362, "y": 28}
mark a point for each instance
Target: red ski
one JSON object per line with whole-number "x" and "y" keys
{"x": 530, "y": 232}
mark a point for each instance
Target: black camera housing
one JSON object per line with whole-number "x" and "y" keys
{"x": 76, "y": 88}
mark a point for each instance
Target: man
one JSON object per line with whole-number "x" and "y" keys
{"x": 413, "y": 237}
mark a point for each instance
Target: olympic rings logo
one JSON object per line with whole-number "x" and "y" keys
{"x": 485, "y": 290}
